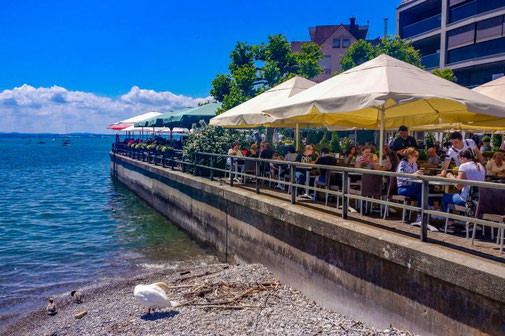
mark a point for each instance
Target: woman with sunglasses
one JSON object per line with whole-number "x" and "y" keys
{"x": 406, "y": 187}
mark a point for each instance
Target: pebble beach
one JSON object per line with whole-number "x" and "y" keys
{"x": 213, "y": 299}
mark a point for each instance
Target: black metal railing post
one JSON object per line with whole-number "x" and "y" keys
{"x": 425, "y": 188}
{"x": 212, "y": 168}
{"x": 195, "y": 162}
{"x": 292, "y": 179}
{"x": 257, "y": 173}
{"x": 232, "y": 162}
{"x": 345, "y": 191}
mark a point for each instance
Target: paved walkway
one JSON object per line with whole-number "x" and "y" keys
{"x": 483, "y": 247}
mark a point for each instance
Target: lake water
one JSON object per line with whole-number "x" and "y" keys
{"x": 64, "y": 222}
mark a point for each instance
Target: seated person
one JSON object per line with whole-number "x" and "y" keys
{"x": 350, "y": 155}
{"x": 253, "y": 151}
{"x": 408, "y": 165}
{"x": 325, "y": 159}
{"x": 373, "y": 152}
{"x": 308, "y": 156}
{"x": 470, "y": 169}
{"x": 233, "y": 151}
{"x": 433, "y": 158}
{"x": 495, "y": 166}
{"x": 292, "y": 154}
{"x": 273, "y": 166}
{"x": 366, "y": 159}
{"x": 267, "y": 152}
{"x": 392, "y": 162}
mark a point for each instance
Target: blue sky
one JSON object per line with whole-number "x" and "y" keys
{"x": 108, "y": 47}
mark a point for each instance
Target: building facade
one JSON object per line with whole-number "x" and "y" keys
{"x": 467, "y": 36}
{"x": 334, "y": 40}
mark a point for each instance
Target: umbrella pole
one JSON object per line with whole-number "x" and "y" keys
{"x": 381, "y": 135}
{"x": 297, "y": 137}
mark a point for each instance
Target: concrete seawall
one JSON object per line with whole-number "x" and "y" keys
{"x": 361, "y": 271}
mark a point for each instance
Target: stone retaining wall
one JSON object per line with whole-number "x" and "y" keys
{"x": 361, "y": 271}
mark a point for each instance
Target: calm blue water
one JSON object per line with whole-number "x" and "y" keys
{"x": 63, "y": 222}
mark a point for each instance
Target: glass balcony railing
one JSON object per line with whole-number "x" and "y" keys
{"x": 423, "y": 26}
{"x": 473, "y": 8}
{"x": 483, "y": 49}
{"x": 431, "y": 61}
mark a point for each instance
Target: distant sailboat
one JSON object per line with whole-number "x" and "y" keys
{"x": 66, "y": 141}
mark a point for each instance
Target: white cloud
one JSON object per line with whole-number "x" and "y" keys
{"x": 56, "y": 109}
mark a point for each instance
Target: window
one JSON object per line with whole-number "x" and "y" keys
{"x": 336, "y": 43}
{"x": 489, "y": 29}
{"x": 326, "y": 64}
{"x": 461, "y": 37}
{"x": 346, "y": 43}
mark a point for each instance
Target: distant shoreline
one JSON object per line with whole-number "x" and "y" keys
{"x": 53, "y": 135}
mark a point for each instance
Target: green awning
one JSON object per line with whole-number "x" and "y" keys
{"x": 182, "y": 118}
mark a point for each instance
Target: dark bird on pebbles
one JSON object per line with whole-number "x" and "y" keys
{"x": 51, "y": 307}
{"x": 77, "y": 296}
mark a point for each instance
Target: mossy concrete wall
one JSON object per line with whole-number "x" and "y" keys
{"x": 361, "y": 271}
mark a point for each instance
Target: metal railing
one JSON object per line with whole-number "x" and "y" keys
{"x": 175, "y": 160}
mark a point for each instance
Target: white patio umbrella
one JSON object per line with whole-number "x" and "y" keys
{"x": 387, "y": 93}
{"x": 494, "y": 89}
{"x": 249, "y": 114}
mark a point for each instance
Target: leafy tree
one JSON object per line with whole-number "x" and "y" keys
{"x": 324, "y": 143}
{"x": 358, "y": 53}
{"x": 335, "y": 143}
{"x": 445, "y": 73}
{"x": 308, "y": 60}
{"x": 400, "y": 49}
{"x": 361, "y": 51}
{"x": 256, "y": 68}
{"x": 429, "y": 139}
{"x": 497, "y": 141}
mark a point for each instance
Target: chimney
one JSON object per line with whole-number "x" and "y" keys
{"x": 352, "y": 21}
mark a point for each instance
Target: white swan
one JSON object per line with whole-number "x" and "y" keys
{"x": 153, "y": 296}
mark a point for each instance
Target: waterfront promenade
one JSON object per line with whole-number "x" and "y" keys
{"x": 369, "y": 269}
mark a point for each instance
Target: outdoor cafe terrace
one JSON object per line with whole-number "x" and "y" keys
{"x": 363, "y": 196}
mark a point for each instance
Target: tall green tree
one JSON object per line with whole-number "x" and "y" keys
{"x": 445, "y": 73}
{"x": 256, "y": 68}
{"x": 362, "y": 51}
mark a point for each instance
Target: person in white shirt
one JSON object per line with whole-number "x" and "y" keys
{"x": 457, "y": 146}
{"x": 233, "y": 151}
{"x": 470, "y": 169}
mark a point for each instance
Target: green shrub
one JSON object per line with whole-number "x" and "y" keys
{"x": 335, "y": 143}
{"x": 429, "y": 139}
{"x": 423, "y": 155}
{"x": 497, "y": 141}
{"x": 488, "y": 154}
{"x": 210, "y": 139}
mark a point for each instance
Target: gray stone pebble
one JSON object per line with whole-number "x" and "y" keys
{"x": 112, "y": 310}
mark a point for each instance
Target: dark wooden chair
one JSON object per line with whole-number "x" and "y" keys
{"x": 371, "y": 186}
{"x": 491, "y": 206}
{"x": 392, "y": 195}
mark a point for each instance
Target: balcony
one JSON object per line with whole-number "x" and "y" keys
{"x": 477, "y": 50}
{"x": 423, "y": 26}
{"x": 431, "y": 61}
{"x": 473, "y": 8}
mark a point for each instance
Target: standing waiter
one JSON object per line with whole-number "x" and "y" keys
{"x": 403, "y": 141}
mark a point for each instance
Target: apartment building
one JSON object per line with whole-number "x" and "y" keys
{"x": 467, "y": 36}
{"x": 334, "y": 40}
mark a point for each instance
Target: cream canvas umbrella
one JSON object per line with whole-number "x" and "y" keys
{"x": 387, "y": 93}
{"x": 249, "y": 114}
{"x": 494, "y": 89}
